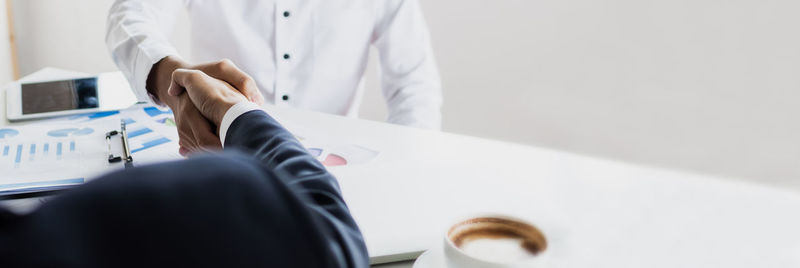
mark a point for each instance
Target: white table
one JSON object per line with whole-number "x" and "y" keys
{"x": 595, "y": 212}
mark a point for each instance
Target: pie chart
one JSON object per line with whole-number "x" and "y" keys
{"x": 333, "y": 160}
{"x": 67, "y": 132}
{"x": 8, "y": 133}
{"x": 316, "y": 152}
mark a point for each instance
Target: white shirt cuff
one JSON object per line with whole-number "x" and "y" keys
{"x": 145, "y": 58}
{"x": 234, "y": 112}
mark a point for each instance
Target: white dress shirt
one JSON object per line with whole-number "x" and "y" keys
{"x": 308, "y": 54}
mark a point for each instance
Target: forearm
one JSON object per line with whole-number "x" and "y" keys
{"x": 160, "y": 78}
{"x": 256, "y": 132}
{"x": 136, "y": 36}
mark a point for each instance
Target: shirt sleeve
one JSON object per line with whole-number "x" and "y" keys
{"x": 137, "y": 36}
{"x": 234, "y": 112}
{"x": 409, "y": 76}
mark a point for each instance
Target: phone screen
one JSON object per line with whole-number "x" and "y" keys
{"x": 59, "y": 96}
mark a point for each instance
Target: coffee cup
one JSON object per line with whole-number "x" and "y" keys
{"x": 494, "y": 242}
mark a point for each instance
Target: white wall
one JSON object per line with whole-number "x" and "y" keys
{"x": 68, "y": 34}
{"x": 6, "y": 69}
{"x": 706, "y": 85}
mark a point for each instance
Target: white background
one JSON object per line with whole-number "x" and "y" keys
{"x": 705, "y": 85}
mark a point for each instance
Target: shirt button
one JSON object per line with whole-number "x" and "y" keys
{"x": 285, "y": 97}
{"x": 286, "y": 56}
{"x": 286, "y": 14}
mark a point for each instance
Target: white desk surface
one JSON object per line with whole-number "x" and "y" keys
{"x": 595, "y": 212}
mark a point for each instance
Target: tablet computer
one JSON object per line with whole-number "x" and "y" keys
{"x": 41, "y": 99}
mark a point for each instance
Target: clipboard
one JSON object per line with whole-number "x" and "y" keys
{"x": 31, "y": 186}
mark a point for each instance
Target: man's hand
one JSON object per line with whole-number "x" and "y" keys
{"x": 195, "y": 132}
{"x": 212, "y": 97}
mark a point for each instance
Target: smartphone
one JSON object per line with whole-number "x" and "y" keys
{"x": 41, "y": 99}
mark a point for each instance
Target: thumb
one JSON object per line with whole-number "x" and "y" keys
{"x": 174, "y": 89}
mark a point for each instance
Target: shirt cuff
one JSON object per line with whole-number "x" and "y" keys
{"x": 145, "y": 59}
{"x": 234, "y": 112}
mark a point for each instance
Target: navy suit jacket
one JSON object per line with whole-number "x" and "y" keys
{"x": 264, "y": 202}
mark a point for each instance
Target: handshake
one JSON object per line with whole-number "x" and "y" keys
{"x": 199, "y": 96}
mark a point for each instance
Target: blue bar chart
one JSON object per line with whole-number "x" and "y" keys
{"x": 40, "y": 156}
{"x": 150, "y": 129}
{"x": 15, "y": 154}
{"x": 139, "y": 132}
{"x": 18, "y": 159}
{"x": 150, "y": 144}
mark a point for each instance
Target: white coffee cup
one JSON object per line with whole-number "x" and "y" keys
{"x": 494, "y": 242}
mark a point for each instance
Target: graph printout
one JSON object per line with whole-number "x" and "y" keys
{"x": 152, "y": 134}
{"x": 51, "y": 154}
{"x": 153, "y": 138}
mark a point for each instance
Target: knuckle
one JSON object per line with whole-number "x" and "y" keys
{"x": 195, "y": 75}
{"x": 224, "y": 64}
{"x": 243, "y": 81}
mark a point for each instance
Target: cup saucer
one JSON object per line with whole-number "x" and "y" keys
{"x": 432, "y": 258}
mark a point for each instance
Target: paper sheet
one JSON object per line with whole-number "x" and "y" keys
{"x": 71, "y": 150}
{"x": 333, "y": 154}
{"x": 153, "y": 138}
{"x": 46, "y": 155}
{"x": 152, "y": 134}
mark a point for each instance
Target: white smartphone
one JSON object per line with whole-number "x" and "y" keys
{"x": 41, "y": 99}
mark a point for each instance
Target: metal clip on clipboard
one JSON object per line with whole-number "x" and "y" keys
{"x": 126, "y": 151}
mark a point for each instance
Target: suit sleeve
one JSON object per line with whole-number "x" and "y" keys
{"x": 279, "y": 152}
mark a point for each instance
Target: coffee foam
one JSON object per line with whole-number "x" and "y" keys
{"x": 497, "y": 249}
{"x": 497, "y": 239}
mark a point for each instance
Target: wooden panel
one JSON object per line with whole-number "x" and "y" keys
{"x": 11, "y": 41}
